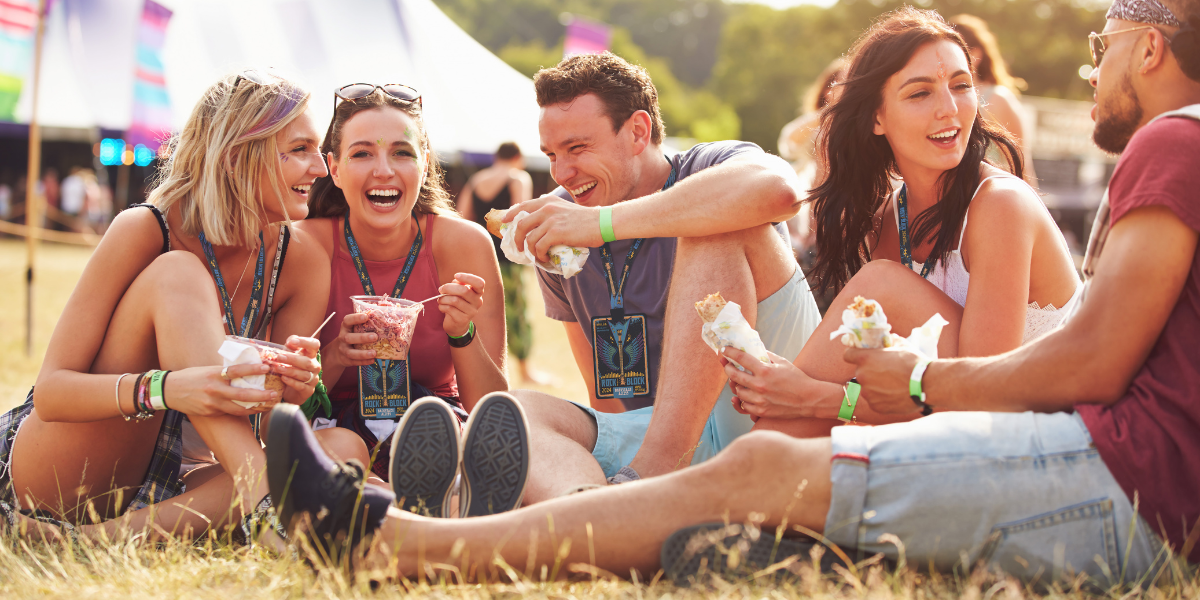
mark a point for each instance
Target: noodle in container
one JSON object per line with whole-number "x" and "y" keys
{"x": 238, "y": 350}
{"x": 393, "y": 319}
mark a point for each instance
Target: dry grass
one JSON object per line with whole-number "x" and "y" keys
{"x": 133, "y": 569}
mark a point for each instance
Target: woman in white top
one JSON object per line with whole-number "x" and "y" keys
{"x": 909, "y": 111}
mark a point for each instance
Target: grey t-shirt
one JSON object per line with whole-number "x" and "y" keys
{"x": 585, "y": 296}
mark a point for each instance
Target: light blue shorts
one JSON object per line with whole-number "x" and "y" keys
{"x": 785, "y": 320}
{"x": 1023, "y": 492}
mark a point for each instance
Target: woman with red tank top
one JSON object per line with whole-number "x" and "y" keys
{"x": 389, "y": 228}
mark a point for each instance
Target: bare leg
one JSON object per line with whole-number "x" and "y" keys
{"x": 561, "y": 439}
{"x": 906, "y": 298}
{"x": 746, "y": 267}
{"x": 343, "y": 445}
{"x": 169, "y": 318}
{"x": 621, "y": 528}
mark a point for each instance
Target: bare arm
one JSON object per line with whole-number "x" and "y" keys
{"x": 737, "y": 194}
{"x": 582, "y": 351}
{"x": 1091, "y": 359}
{"x": 521, "y": 187}
{"x": 464, "y": 204}
{"x": 470, "y": 279}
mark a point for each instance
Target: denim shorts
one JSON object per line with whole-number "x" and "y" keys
{"x": 785, "y": 320}
{"x": 1023, "y": 492}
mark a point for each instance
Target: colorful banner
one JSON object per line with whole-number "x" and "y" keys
{"x": 18, "y": 22}
{"x": 586, "y": 37}
{"x": 150, "y": 124}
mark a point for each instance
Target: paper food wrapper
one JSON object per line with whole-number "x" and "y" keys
{"x": 730, "y": 328}
{"x": 238, "y": 353}
{"x": 864, "y": 325}
{"x": 564, "y": 260}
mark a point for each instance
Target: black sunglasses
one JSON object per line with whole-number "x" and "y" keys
{"x": 354, "y": 91}
{"x": 253, "y": 76}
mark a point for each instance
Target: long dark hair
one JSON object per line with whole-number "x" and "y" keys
{"x": 862, "y": 165}
{"x": 327, "y": 200}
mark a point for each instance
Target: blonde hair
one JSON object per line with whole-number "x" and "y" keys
{"x": 215, "y": 164}
{"x": 326, "y": 199}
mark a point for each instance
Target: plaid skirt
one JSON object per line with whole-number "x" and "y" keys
{"x": 162, "y": 476}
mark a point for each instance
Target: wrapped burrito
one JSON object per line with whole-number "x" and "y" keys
{"x": 724, "y": 326}
{"x": 564, "y": 260}
{"x": 865, "y": 326}
{"x": 245, "y": 351}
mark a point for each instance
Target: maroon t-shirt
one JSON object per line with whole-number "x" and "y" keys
{"x": 1150, "y": 438}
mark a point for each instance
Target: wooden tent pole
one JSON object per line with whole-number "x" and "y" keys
{"x": 31, "y": 179}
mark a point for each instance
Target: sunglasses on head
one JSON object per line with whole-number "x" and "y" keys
{"x": 254, "y": 76}
{"x": 1097, "y": 45}
{"x": 354, "y": 91}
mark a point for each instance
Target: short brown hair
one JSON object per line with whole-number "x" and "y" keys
{"x": 508, "y": 151}
{"x": 623, "y": 88}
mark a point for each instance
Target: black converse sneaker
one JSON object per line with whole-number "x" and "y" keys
{"x": 425, "y": 457}
{"x": 495, "y": 456}
{"x": 305, "y": 482}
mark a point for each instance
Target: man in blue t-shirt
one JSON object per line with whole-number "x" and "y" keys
{"x": 697, "y": 223}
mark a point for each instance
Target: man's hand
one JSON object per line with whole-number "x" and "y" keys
{"x": 553, "y": 221}
{"x": 884, "y": 376}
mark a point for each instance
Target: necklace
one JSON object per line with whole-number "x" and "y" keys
{"x": 243, "y": 275}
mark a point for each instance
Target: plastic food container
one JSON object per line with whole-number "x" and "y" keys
{"x": 394, "y": 319}
{"x": 267, "y": 353}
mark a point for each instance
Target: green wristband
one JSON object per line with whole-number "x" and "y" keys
{"x": 846, "y": 413}
{"x": 606, "y": 230}
{"x": 157, "y": 400}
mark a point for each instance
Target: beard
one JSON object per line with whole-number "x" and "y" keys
{"x": 1116, "y": 126}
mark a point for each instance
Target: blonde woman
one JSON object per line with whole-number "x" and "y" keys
{"x": 168, "y": 281}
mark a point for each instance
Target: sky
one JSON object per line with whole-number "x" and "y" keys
{"x": 789, "y": 3}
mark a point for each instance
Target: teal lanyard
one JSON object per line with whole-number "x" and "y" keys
{"x": 361, "y": 266}
{"x": 905, "y": 250}
{"x": 616, "y": 291}
{"x": 254, "y": 304}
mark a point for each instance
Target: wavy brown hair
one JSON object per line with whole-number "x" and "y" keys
{"x": 862, "y": 165}
{"x": 327, "y": 200}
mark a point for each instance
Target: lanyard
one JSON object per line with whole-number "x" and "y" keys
{"x": 616, "y": 291}
{"x": 905, "y": 250}
{"x": 255, "y": 301}
{"x": 361, "y": 267}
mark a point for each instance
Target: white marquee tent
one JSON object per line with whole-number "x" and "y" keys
{"x": 473, "y": 100}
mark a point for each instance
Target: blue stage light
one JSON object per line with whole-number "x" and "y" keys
{"x": 111, "y": 151}
{"x": 142, "y": 156}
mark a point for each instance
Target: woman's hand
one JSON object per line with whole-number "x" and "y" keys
{"x": 342, "y": 351}
{"x": 777, "y": 390}
{"x": 300, "y": 372}
{"x": 462, "y": 300}
{"x": 884, "y": 375}
{"x": 202, "y": 392}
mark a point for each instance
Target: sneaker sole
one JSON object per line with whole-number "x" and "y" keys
{"x": 495, "y": 456}
{"x": 424, "y": 458}
{"x": 695, "y": 552}
{"x": 279, "y": 469}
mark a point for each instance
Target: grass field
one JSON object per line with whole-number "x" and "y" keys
{"x": 129, "y": 568}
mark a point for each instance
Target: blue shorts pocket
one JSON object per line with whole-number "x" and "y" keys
{"x": 1076, "y": 539}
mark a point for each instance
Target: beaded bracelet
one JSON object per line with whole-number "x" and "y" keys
{"x": 144, "y": 411}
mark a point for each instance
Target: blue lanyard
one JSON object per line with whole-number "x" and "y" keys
{"x": 905, "y": 250}
{"x": 254, "y": 303}
{"x": 616, "y": 293}
{"x": 361, "y": 266}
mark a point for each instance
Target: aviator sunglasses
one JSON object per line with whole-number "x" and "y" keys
{"x": 354, "y": 91}
{"x": 1096, "y": 42}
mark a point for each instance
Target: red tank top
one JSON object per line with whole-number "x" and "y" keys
{"x": 429, "y": 355}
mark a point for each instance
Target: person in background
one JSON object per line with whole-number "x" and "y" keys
{"x": 998, "y": 89}
{"x": 505, "y": 183}
{"x": 74, "y": 191}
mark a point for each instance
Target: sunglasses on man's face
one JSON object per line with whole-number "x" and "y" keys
{"x": 398, "y": 91}
{"x": 1096, "y": 42}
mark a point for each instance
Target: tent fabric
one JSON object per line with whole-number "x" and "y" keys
{"x": 473, "y": 100}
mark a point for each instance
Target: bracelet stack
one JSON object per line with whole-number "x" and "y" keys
{"x": 148, "y": 395}
{"x": 465, "y": 339}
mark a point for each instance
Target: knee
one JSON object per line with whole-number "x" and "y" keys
{"x": 343, "y": 444}
{"x": 723, "y": 242}
{"x": 753, "y": 456}
{"x": 180, "y": 276}
{"x": 555, "y": 415}
{"x": 876, "y": 275}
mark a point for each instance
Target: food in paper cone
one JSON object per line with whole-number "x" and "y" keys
{"x": 564, "y": 260}
{"x": 246, "y": 351}
{"x": 393, "y": 319}
{"x": 724, "y": 326}
{"x": 865, "y": 326}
